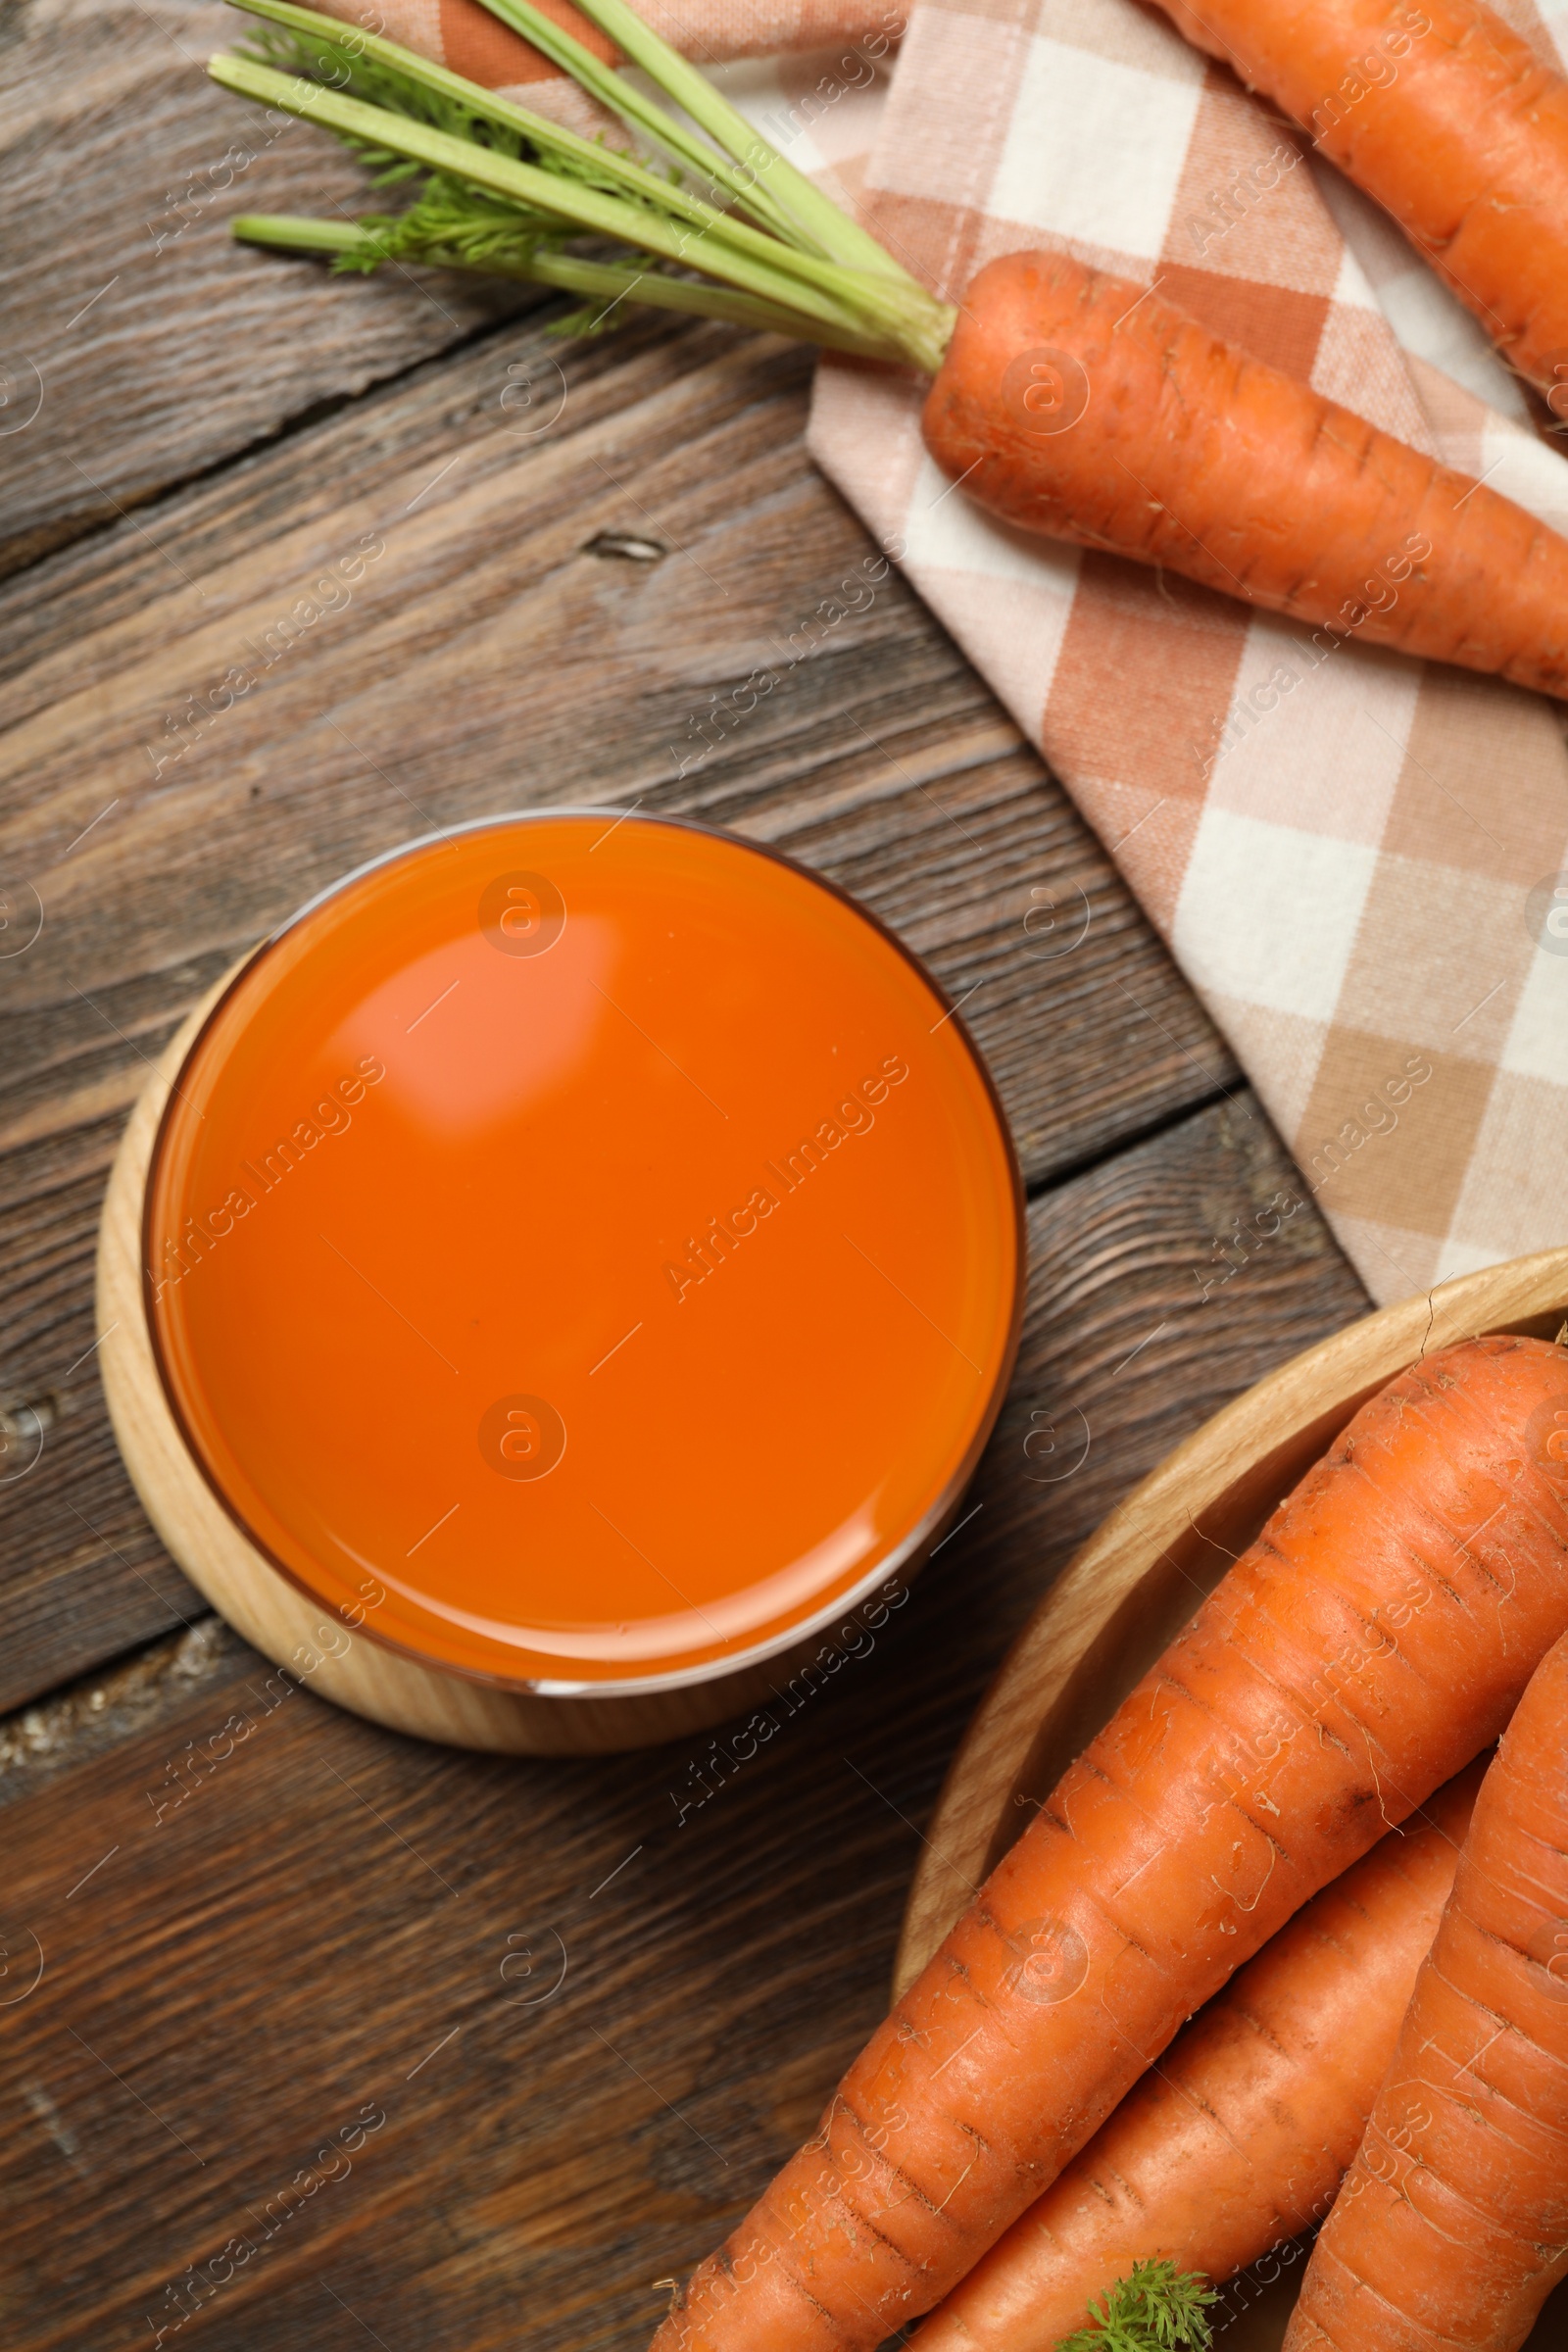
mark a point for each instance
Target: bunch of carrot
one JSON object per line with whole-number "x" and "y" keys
{"x": 1377, "y": 1637}
{"x": 1237, "y": 2142}
{"x": 1067, "y": 401}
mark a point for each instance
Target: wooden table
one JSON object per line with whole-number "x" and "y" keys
{"x": 302, "y": 1981}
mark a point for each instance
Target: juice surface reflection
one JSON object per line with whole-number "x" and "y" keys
{"x": 599, "y": 1237}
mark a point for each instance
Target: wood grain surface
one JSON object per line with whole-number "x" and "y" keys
{"x": 595, "y": 2002}
{"x": 140, "y": 345}
{"x": 288, "y": 1911}
{"x": 499, "y": 654}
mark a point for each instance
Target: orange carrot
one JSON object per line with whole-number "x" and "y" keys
{"x": 1237, "y": 2140}
{"x": 1442, "y": 112}
{"x": 1070, "y": 403}
{"x": 1375, "y": 1637}
{"x": 1080, "y": 405}
{"x": 1452, "y": 2226}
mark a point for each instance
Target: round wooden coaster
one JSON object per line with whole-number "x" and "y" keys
{"x": 336, "y": 1660}
{"x": 1126, "y": 1594}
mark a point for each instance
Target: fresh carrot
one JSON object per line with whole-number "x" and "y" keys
{"x": 1071, "y": 403}
{"x": 1452, "y": 2226}
{"x": 1080, "y": 405}
{"x": 1444, "y": 114}
{"x": 1375, "y": 1638}
{"x": 1237, "y": 2140}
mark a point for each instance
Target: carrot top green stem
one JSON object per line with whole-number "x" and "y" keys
{"x": 1155, "y": 2308}
{"x": 364, "y": 245}
{"x": 641, "y": 112}
{"x": 838, "y": 235}
{"x": 505, "y": 189}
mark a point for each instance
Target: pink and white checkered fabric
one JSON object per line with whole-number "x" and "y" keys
{"x": 1352, "y": 855}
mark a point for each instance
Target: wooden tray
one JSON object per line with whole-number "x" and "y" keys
{"x": 1135, "y": 1583}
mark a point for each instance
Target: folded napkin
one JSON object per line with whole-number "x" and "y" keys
{"x": 1352, "y": 855}
{"x": 1359, "y": 861}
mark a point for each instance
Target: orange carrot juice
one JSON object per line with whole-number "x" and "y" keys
{"x": 594, "y": 1235}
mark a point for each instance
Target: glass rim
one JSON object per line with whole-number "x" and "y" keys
{"x": 732, "y": 1663}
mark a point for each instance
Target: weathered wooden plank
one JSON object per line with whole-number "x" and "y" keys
{"x": 490, "y": 657}
{"x": 142, "y": 344}
{"x": 323, "y": 1922}
{"x": 494, "y": 655}
{"x": 248, "y": 1932}
{"x": 130, "y": 1696}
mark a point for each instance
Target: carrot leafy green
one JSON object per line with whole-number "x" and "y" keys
{"x": 710, "y": 218}
{"x": 1155, "y": 2308}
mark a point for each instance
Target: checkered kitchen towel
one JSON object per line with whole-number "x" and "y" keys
{"x": 1352, "y": 856}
